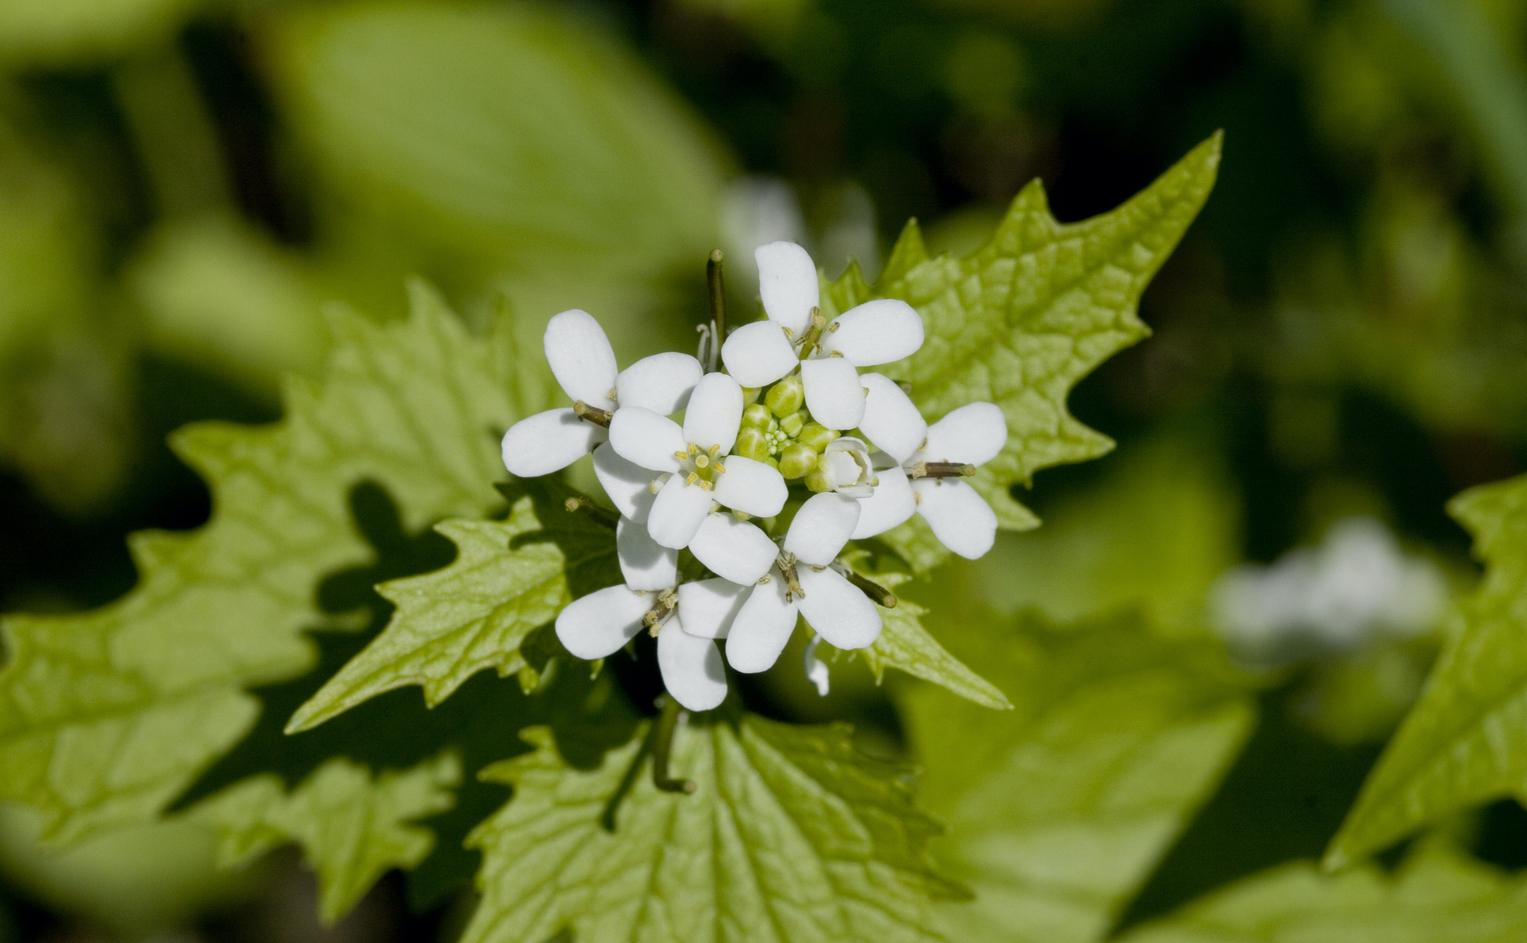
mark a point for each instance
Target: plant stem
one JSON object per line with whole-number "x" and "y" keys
{"x": 662, "y": 749}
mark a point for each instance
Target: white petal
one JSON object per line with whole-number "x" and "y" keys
{"x": 821, "y": 527}
{"x": 816, "y": 668}
{"x": 691, "y": 667}
{"x": 834, "y": 396}
{"x": 733, "y": 549}
{"x": 598, "y": 624}
{"x": 644, "y": 437}
{"x": 891, "y": 504}
{"x": 751, "y": 487}
{"x": 677, "y": 513}
{"x": 708, "y": 607}
{"x": 581, "y": 358}
{"x": 548, "y": 442}
{"x": 714, "y": 412}
{"x": 660, "y": 383}
{"x": 972, "y": 434}
{"x": 876, "y": 332}
{"x": 625, "y": 482}
{"x": 759, "y": 353}
{"x": 787, "y": 280}
{"x": 961, "y": 519}
{"x": 890, "y": 420}
{"x": 761, "y": 629}
{"x": 643, "y": 564}
{"x": 837, "y": 609}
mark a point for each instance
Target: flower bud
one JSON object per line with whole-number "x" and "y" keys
{"x": 796, "y": 460}
{"x": 756, "y": 416}
{"x": 845, "y": 468}
{"x": 786, "y": 396}
{"x": 751, "y": 443}
{"x": 750, "y": 395}
{"x": 815, "y": 436}
{"x": 793, "y": 423}
{"x": 817, "y": 481}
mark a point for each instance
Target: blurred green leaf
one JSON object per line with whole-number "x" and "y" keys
{"x": 1153, "y": 533}
{"x": 513, "y": 139}
{"x": 791, "y": 836}
{"x": 1458, "y": 746}
{"x": 218, "y": 295}
{"x": 103, "y": 880}
{"x": 352, "y": 827}
{"x": 1058, "y": 811}
{"x": 106, "y": 716}
{"x": 77, "y": 32}
{"x": 1026, "y": 317}
{"x": 509, "y": 578}
{"x": 1437, "y": 896}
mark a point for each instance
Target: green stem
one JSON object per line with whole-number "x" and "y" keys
{"x": 713, "y": 278}
{"x": 662, "y": 750}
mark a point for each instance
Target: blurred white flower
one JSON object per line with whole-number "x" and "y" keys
{"x": 1355, "y": 587}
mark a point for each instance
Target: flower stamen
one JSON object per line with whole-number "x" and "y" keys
{"x": 592, "y": 414}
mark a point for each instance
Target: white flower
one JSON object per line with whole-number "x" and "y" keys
{"x": 687, "y": 618}
{"x": 700, "y": 470}
{"x": 807, "y": 583}
{"x": 930, "y": 461}
{"x": 873, "y": 333}
{"x": 845, "y": 467}
{"x": 584, "y": 365}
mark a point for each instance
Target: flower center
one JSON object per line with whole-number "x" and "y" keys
{"x": 701, "y": 466}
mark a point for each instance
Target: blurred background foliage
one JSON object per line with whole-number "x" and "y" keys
{"x": 1341, "y": 341}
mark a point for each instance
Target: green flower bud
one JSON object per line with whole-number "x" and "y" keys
{"x": 796, "y": 460}
{"x": 815, "y": 436}
{"x": 816, "y": 480}
{"x": 786, "y": 396}
{"x": 750, "y": 395}
{"x": 756, "y": 416}
{"x": 793, "y": 423}
{"x": 751, "y": 444}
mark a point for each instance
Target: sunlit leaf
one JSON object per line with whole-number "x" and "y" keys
{"x": 1461, "y": 744}
{"x": 1023, "y": 319}
{"x": 509, "y": 577}
{"x": 791, "y": 836}
{"x": 105, "y": 716}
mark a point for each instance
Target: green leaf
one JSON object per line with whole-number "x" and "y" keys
{"x": 352, "y": 827}
{"x": 34, "y": 32}
{"x": 1458, "y": 746}
{"x": 106, "y": 716}
{"x": 1059, "y": 810}
{"x": 1023, "y": 319}
{"x": 1437, "y": 896}
{"x": 509, "y": 578}
{"x": 791, "y": 836}
{"x": 505, "y": 135}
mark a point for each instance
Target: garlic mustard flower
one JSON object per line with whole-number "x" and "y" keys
{"x": 697, "y": 460}
{"x": 808, "y": 583}
{"x": 828, "y": 355}
{"x": 930, "y": 461}
{"x": 584, "y": 365}
{"x": 687, "y": 618}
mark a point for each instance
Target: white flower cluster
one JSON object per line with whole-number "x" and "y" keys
{"x": 774, "y": 422}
